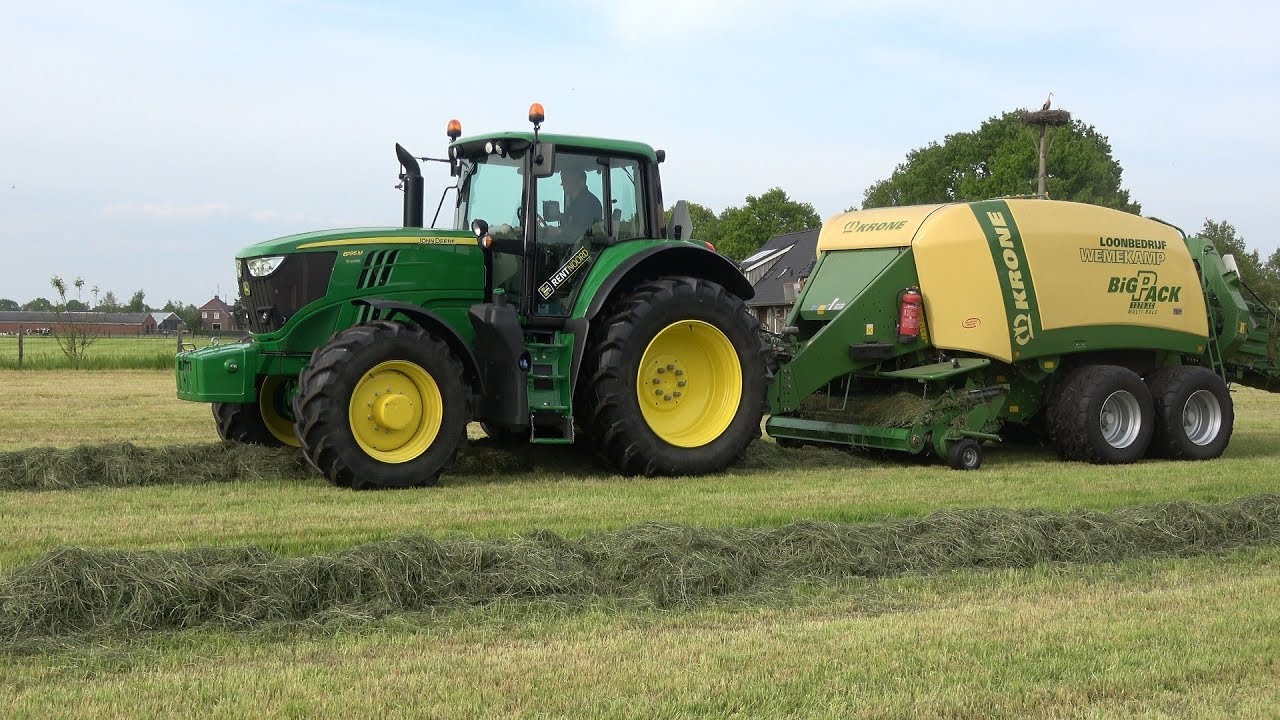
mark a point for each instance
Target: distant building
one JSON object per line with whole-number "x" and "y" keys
{"x": 778, "y": 271}
{"x": 166, "y": 322}
{"x": 216, "y": 316}
{"x": 108, "y": 324}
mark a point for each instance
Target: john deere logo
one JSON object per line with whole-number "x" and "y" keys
{"x": 1145, "y": 292}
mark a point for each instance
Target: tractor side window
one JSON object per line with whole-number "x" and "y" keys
{"x": 627, "y": 196}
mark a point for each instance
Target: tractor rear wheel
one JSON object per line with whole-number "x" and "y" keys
{"x": 674, "y": 379}
{"x": 265, "y": 422}
{"x": 1194, "y": 413}
{"x": 1103, "y": 414}
{"x": 382, "y": 405}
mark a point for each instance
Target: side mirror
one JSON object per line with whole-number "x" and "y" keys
{"x": 551, "y": 210}
{"x": 479, "y": 227}
{"x": 681, "y": 227}
{"x": 543, "y": 159}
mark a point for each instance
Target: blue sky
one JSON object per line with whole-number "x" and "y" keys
{"x": 144, "y": 143}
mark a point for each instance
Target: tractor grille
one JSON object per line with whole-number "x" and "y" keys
{"x": 273, "y": 299}
{"x": 377, "y": 269}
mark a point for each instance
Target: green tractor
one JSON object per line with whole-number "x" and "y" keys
{"x": 562, "y": 307}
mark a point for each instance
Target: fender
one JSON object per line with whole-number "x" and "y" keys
{"x": 428, "y": 320}
{"x": 667, "y": 259}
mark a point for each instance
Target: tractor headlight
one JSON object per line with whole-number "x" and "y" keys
{"x": 261, "y": 266}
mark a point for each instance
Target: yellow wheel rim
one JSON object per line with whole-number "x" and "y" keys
{"x": 270, "y": 397}
{"x": 396, "y": 411}
{"x": 689, "y": 384}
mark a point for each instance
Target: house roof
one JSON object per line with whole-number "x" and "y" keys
{"x": 216, "y": 303}
{"x": 799, "y": 251}
{"x": 32, "y": 316}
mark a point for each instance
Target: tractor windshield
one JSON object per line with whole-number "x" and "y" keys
{"x": 493, "y": 191}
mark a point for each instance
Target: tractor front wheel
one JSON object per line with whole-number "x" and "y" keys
{"x": 675, "y": 379}
{"x": 382, "y": 405}
{"x": 265, "y": 422}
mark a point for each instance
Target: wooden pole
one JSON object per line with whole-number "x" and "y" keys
{"x": 20, "y": 333}
{"x": 1044, "y": 157}
{"x": 1044, "y": 119}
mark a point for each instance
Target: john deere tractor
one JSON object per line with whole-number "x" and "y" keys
{"x": 546, "y": 315}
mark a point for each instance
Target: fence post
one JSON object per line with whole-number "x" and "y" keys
{"x": 20, "y": 346}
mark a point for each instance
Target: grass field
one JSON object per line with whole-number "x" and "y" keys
{"x": 152, "y": 352}
{"x": 1147, "y": 637}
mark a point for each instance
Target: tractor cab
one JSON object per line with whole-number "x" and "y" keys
{"x": 546, "y": 206}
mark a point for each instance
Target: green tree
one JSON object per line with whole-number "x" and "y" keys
{"x": 742, "y": 230}
{"x": 7, "y": 304}
{"x": 109, "y": 302}
{"x": 137, "y": 303}
{"x": 1001, "y": 158}
{"x": 38, "y": 305}
{"x": 73, "y": 333}
{"x": 74, "y": 305}
{"x": 1262, "y": 277}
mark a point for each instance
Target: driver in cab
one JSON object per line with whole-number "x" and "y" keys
{"x": 581, "y": 208}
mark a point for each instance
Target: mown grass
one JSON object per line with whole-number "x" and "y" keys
{"x": 1188, "y": 638}
{"x": 1194, "y": 637}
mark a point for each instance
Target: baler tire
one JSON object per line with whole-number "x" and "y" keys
{"x": 1077, "y": 421}
{"x": 964, "y": 454}
{"x": 245, "y": 422}
{"x": 609, "y": 395}
{"x": 1194, "y": 413}
{"x": 413, "y": 361}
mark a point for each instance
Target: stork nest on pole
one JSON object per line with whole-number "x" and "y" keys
{"x": 1051, "y": 118}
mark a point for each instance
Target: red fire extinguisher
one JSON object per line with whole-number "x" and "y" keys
{"x": 910, "y": 309}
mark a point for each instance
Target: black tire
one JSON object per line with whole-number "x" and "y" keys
{"x": 613, "y": 418}
{"x": 965, "y": 454}
{"x": 1103, "y": 414}
{"x": 342, "y": 368}
{"x": 1194, "y": 413}
{"x": 258, "y": 423}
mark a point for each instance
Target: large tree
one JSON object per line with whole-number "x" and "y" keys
{"x": 740, "y": 231}
{"x": 7, "y": 304}
{"x": 1000, "y": 159}
{"x": 38, "y": 305}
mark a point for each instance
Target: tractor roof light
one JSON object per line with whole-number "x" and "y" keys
{"x": 454, "y": 129}
{"x": 536, "y": 114}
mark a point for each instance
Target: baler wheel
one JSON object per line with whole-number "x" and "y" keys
{"x": 1194, "y": 413}
{"x": 674, "y": 379}
{"x": 259, "y": 423}
{"x": 1103, "y": 415}
{"x": 965, "y": 454}
{"x": 382, "y": 405}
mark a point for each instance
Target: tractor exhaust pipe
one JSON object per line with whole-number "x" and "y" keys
{"x": 411, "y": 185}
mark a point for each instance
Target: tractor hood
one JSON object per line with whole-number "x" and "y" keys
{"x": 355, "y": 237}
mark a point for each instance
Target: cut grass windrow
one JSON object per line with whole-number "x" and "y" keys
{"x": 72, "y": 592}
{"x": 128, "y": 465}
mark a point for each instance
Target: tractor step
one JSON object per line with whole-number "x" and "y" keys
{"x": 550, "y": 390}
